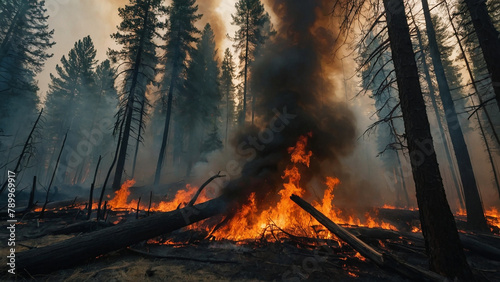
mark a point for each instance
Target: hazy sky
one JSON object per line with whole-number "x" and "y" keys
{"x": 74, "y": 19}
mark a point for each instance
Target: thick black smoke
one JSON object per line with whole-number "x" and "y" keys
{"x": 292, "y": 77}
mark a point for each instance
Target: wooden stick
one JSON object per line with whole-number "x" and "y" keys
{"x": 193, "y": 200}
{"x": 381, "y": 259}
{"x": 137, "y": 210}
{"x": 150, "y": 197}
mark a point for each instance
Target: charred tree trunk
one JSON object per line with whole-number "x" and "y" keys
{"x": 87, "y": 246}
{"x": 474, "y": 207}
{"x": 53, "y": 175}
{"x": 432, "y": 95}
{"x": 489, "y": 40}
{"x": 443, "y": 245}
{"x": 91, "y": 196}
{"x": 101, "y": 197}
{"x": 163, "y": 148}
{"x": 138, "y": 140}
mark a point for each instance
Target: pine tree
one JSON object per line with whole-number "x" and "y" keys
{"x": 201, "y": 98}
{"x": 180, "y": 38}
{"x": 136, "y": 33}
{"x": 254, "y": 29}
{"x": 24, "y": 41}
{"x": 227, "y": 90}
{"x": 71, "y": 97}
{"x": 377, "y": 76}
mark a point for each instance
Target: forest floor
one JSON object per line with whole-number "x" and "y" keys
{"x": 287, "y": 258}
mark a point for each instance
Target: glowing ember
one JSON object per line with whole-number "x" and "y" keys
{"x": 359, "y": 256}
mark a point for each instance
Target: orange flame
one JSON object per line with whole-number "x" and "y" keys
{"x": 120, "y": 199}
{"x": 252, "y": 223}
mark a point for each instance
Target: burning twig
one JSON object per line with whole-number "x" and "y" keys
{"x": 193, "y": 200}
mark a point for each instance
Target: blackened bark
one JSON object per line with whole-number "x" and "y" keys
{"x": 473, "y": 205}
{"x": 442, "y": 243}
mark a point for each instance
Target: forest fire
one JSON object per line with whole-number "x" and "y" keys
{"x": 251, "y": 223}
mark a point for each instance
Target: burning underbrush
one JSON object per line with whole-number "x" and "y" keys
{"x": 279, "y": 215}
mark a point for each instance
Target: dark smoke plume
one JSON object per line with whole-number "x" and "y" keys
{"x": 293, "y": 74}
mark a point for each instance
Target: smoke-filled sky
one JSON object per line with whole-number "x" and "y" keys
{"x": 74, "y": 19}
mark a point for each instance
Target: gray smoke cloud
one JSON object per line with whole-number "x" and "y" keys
{"x": 294, "y": 96}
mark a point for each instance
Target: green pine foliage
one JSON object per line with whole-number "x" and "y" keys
{"x": 227, "y": 87}
{"x": 24, "y": 42}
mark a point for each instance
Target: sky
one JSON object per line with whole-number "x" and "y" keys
{"x": 74, "y": 19}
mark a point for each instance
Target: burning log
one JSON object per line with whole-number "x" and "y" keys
{"x": 384, "y": 260}
{"x": 81, "y": 248}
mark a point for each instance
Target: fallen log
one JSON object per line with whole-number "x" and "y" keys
{"x": 91, "y": 245}
{"x": 383, "y": 260}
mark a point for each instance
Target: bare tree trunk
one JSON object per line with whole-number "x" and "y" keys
{"x": 101, "y": 197}
{"x": 443, "y": 245}
{"x": 489, "y": 40}
{"x": 52, "y": 178}
{"x": 138, "y": 140}
{"x": 163, "y": 148}
{"x": 474, "y": 207}
{"x": 92, "y": 188}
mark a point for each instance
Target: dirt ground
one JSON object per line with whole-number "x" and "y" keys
{"x": 287, "y": 259}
